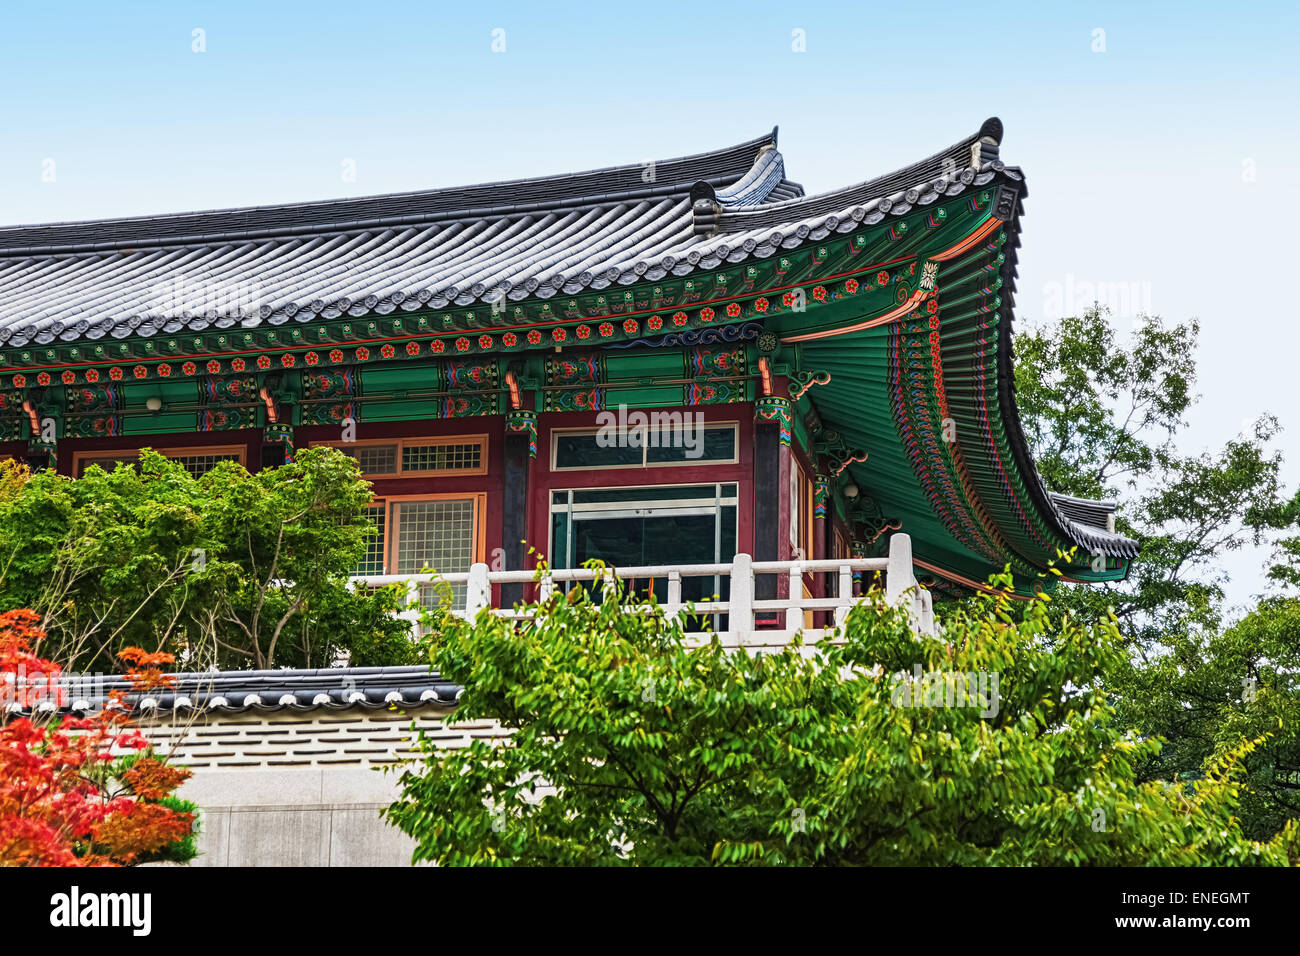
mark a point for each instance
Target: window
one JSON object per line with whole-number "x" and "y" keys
{"x": 658, "y": 440}
{"x": 373, "y": 562}
{"x": 801, "y": 511}
{"x": 441, "y": 533}
{"x": 648, "y": 526}
{"x": 197, "y": 461}
{"x": 417, "y": 457}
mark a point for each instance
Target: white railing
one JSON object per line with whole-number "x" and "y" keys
{"x": 741, "y": 606}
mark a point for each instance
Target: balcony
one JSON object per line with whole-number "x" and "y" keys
{"x": 746, "y": 620}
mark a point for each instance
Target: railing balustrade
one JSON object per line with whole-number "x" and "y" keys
{"x": 742, "y": 609}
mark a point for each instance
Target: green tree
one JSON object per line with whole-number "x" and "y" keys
{"x": 628, "y": 746}
{"x": 1104, "y": 417}
{"x": 234, "y": 568}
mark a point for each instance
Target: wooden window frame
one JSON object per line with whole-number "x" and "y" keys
{"x": 483, "y": 440}
{"x": 551, "y": 492}
{"x": 133, "y": 454}
{"x": 645, "y": 451}
{"x": 392, "y": 522}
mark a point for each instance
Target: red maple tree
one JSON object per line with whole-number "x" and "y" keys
{"x": 79, "y": 791}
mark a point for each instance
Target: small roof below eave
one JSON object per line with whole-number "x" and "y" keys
{"x": 333, "y": 688}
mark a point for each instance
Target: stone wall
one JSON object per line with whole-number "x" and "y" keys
{"x": 302, "y": 788}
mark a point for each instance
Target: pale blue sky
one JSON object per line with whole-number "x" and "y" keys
{"x": 1167, "y": 166}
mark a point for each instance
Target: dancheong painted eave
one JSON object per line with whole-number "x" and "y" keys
{"x": 875, "y": 319}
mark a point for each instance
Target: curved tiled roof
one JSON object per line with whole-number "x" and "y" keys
{"x": 536, "y": 237}
{"x": 335, "y": 688}
{"x": 529, "y": 238}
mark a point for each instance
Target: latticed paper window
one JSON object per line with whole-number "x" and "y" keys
{"x": 466, "y": 456}
{"x": 108, "y": 464}
{"x": 200, "y": 465}
{"x": 196, "y": 465}
{"x": 375, "y": 459}
{"x": 373, "y": 562}
{"x": 438, "y": 535}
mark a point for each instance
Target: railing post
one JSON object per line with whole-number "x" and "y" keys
{"x": 794, "y": 613}
{"x": 927, "y": 613}
{"x": 673, "y": 605}
{"x": 478, "y": 591}
{"x": 545, "y": 587}
{"x": 898, "y": 576}
{"x": 741, "y": 600}
{"x": 844, "y": 593}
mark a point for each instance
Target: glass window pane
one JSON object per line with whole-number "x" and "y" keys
{"x": 585, "y": 450}
{"x": 689, "y": 445}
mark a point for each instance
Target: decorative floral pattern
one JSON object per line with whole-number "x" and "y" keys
{"x": 387, "y": 351}
{"x": 311, "y": 358}
{"x": 534, "y": 337}
{"x": 362, "y": 354}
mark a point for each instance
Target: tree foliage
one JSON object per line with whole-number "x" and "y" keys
{"x": 629, "y": 746}
{"x": 1105, "y": 418}
{"x": 236, "y": 569}
{"x": 81, "y": 791}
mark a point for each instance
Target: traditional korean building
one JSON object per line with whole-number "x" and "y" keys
{"x": 848, "y": 355}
